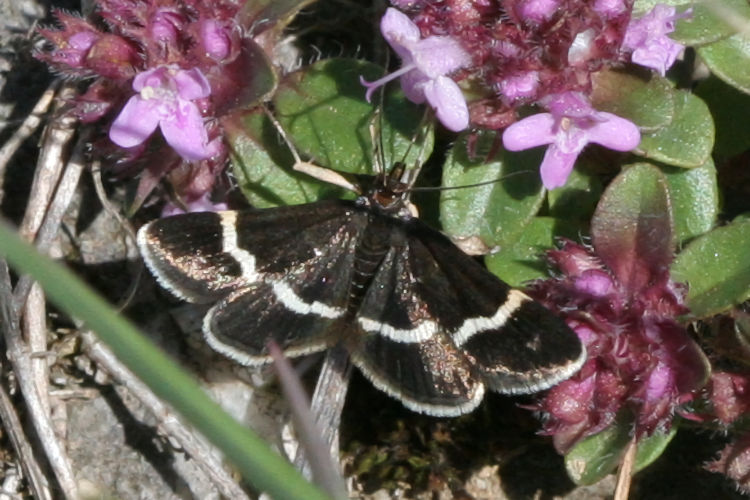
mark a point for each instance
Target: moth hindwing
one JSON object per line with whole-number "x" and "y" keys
{"x": 423, "y": 321}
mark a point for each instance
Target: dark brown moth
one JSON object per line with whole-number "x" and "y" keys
{"x": 424, "y": 322}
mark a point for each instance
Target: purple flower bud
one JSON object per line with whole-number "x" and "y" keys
{"x": 425, "y": 62}
{"x": 571, "y": 124}
{"x": 165, "y": 100}
{"x": 79, "y": 48}
{"x": 520, "y": 86}
{"x": 215, "y": 39}
{"x": 734, "y": 462}
{"x": 537, "y": 11}
{"x": 595, "y": 282}
{"x": 647, "y": 38}
{"x": 112, "y": 56}
{"x": 729, "y": 394}
{"x": 165, "y": 26}
{"x": 609, "y": 8}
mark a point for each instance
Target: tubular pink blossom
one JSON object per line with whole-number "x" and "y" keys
{"x": 165, "y": 99}
{"x": 569, "y": 126}
{"x": 425, "y": 64}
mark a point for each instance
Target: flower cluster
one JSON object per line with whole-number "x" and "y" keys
{"x": 511, "y": 54}
{"x": 175, "y": 65}
{"x": 640, "y": 360}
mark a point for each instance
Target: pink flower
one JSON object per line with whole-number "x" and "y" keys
{"x": 165, "y": 100}
{"x": 647, "y": 38}
{"x": 425, "y": 62}
{"x": 569, "y": 126}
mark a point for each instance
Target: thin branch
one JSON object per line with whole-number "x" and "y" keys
{"x": 49, "y": 168}
{"x": 46, "y": 231}
{"x": 20, "y": 360}
{"x": 28, "y": 127}
{"x": 8, "y": 415}
{"x": 625, "y": 474}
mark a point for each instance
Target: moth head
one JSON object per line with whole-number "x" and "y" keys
{"x": 390, "y": 192}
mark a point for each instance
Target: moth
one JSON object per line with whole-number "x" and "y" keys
{"x": 423, "y": 321}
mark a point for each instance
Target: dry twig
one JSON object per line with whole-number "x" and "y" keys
{"x": 8, "y": 415}
{"x": 28, "y": 127}
{"x": 32, "y": 372}
{"x": 625, "y": 474}
{"x": 20, "y": 359}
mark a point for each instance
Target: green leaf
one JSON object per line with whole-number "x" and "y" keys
{"x": 648, "y": 101}
{"x": 716, "y": 267}
{"x": 650, "y": 448}
{"x": 726, "y": 104}
{"x": 640, "y": 7}
{"x": 251, "y": 78}
{"x": 524, "y": 260}
{"x": 687, "y": 141}
{"x": 263, "y": 468}
{"x": 262, "y": 164}
{"x": 729, "y": 59}
{"x": 632, "y": 227}
{"x": 257, "y": 16}
{"x": 578, "y": 197}
{"x": 711, "y": 21}
{"x": 694, "y": 197}
{"x": 323, "y": 109}
{"x": 496, "y": 212}
{"x": 596, "y": 456}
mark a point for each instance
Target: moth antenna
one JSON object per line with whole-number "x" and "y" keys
{"x": 309, "y": 168}
{"x": 376, "y": 138}
{"x": 467, "y": 186}
{"x": 425, "y": 124}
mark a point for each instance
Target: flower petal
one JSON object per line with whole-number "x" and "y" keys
{"x": 151, "y": 78}
{"x": 439, "y": 55}
{"x": 614, "y": 132}
{"x": 413, "y": 84}
{"x": 191, "y": 84}
{"x": 532, "y": 131}
{"x": 446, "y": 97}
{"x": 400, "y": 33}
{"x": 135, "y": 123}
{"x": 556, "y": 167}
{"x": 185, "y": 132}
